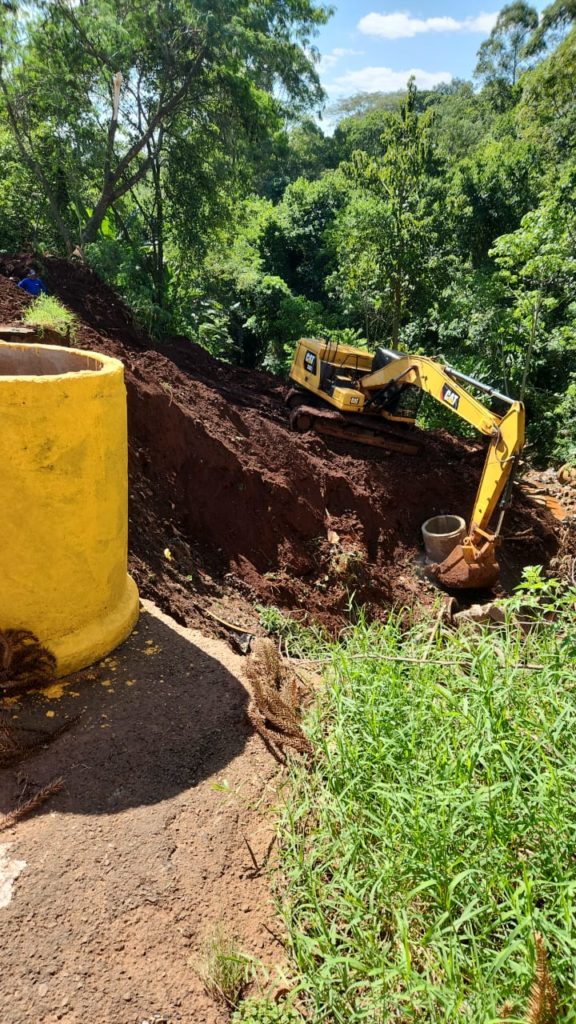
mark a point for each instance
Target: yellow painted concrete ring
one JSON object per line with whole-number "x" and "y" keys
{"x": 64, "y": 501}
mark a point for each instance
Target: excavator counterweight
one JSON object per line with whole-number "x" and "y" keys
{"x": 347, "y": 392}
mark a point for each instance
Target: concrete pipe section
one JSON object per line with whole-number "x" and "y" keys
{"x": 441, "y": 535}
{"x": 64, "y": 501}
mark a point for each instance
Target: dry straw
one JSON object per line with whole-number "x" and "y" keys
{"x": 274, "y": 708}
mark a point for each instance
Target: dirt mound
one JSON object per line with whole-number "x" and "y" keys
{"x": 13, "y": 301}
{"x": 229, "y": 507}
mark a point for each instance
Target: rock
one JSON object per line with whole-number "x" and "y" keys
{"x": 481, "y": 614}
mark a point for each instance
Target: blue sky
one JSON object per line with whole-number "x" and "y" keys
{"x": 370, "y": 45}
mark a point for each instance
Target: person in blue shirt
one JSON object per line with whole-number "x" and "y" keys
{"x": 32, "y": 283}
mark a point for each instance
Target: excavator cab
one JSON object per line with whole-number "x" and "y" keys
{"x": 334, "y": 373}
{"x": 327, "y": 397}
{"x": 397, "y": 401}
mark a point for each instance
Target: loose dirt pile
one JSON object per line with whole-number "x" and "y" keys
{"x": 556, "y": 489}
{"x": 13, "y": 301}
{"x": 229, "y": 507}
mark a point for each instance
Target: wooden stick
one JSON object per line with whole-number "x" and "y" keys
{"x": 434, "y": 630}
{"x": 414, "y": 661}
{"x": 230, "y": 625}
{"x": 252, "y": 855}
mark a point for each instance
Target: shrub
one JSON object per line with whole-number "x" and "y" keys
{"x": 565, "y": 415}
{"x": 47, "y": 312}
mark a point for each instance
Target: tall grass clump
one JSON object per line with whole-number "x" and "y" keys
{"x": 435, "y": 834}
{"x": 225, "y": 968}
{"x": 46, "y": 311}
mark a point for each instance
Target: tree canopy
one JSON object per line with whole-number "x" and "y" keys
{"x": 97, "y": 94}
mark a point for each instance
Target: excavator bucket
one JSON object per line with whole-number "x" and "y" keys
{"x": 466, "y": 570}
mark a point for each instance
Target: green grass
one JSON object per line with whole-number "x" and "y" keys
{"x": 48, "y": 312}
{"x": 436, "y": 830}
{"x": 264, "y": 1011}
{"x": 298, "y": 640}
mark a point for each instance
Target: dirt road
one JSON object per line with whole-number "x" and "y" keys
{"x": 112, "y": 890}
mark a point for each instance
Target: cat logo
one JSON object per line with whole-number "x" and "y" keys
{"x": 310, "y": 362}
{"x": 354, "y": 401}
{"x": 450, "y": 397}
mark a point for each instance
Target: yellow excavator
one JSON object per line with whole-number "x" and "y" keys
{"x": 346, "y": 392}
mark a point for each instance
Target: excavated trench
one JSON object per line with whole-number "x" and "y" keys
{"x": 226, "y": 500}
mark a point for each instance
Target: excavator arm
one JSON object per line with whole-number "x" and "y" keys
{"x": 356, "y": 394}
{"x": 474, "y": 560}
{"x": 445, "y": 385}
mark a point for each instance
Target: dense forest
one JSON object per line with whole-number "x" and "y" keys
{"x": 178, "y": 147}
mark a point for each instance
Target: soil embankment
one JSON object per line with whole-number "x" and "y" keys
{"x": 229, "y": 507}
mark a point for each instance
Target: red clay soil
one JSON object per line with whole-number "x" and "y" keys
{"x": 244, "y": 506}
{"x": 13, "y": 301}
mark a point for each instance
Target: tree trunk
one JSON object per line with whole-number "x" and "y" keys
{"x": 158, "y": 229}
{"x": 94, "y": 223}
{"x": 396, "y": 310}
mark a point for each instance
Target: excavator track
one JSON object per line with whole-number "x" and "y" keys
{"x": 329, "y": 422}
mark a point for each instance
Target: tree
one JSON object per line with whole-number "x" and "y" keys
{"x": 501, "y": 57}
{"x": 386, "y": 233}
{"x": 537, "y": 266}
{"x": 462, "y": 118}
{"x": 547, "y": 112}
{"x": 92, "y": 91}
{"x": 362, "y": 133}
{"x": 295, "y": 243}
{"x": 23, "y": 221}
{"x": 362, "y": 103}
{"x": 491, "y": 191}
{"x": 298, "y": 151}
{"x": 556, "y": 19}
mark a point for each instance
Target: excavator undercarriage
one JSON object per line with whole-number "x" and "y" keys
{"x": 307, "y": 415}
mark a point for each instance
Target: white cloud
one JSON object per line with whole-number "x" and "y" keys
{"x": 330, "y": 60}
{"x": 401, "y": 24}
{"x": 482, "y": 23}
{"x": 373, "y": 79}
